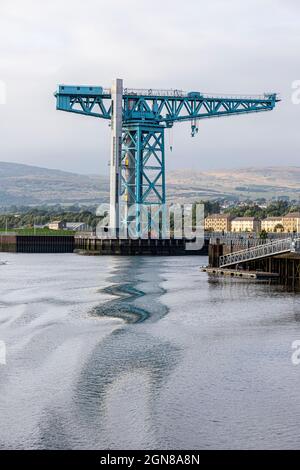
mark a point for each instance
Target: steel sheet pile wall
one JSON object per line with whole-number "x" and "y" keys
{"x": 151, "y": 247}
{"x": 44, "y": 244}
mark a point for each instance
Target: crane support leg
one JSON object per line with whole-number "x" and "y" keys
{"x": 116, "y": 151}
{"x": 142, "y": 171}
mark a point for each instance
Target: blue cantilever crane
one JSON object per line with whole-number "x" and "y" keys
{"x": 138, "y": 122}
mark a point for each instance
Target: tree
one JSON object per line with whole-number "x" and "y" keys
{"x": 263, "y": 235}
{"x": 279, "y": 228}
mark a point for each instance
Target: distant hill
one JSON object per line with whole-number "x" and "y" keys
{"x": 25, "y": 184}
{"x": 31, "y": 185}
{"x": 238, "y": 183}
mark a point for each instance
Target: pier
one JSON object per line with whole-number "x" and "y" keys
{"x": 258, "y": 275}
{"x": 280, "y": 258}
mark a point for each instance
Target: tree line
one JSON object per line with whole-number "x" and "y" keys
{"x": 29, "y": 217}
{"x": 274, "y": 209}
{"x": 24, "y": 216}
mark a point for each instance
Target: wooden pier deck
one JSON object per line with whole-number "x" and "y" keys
{"x": 258, "y": 275}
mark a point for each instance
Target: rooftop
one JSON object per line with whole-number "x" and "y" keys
{"x": 245, "y": 219}
{"x": 292, "y": 215}
{"x": 219, "y": 216}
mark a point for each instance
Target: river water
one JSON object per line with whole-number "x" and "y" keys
{"x": 142, "y": 352}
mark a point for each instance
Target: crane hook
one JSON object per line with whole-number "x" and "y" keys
{"x": 170, "y": 132}
{"x": 194, "y": 127}
{"x": 194, "y": 130}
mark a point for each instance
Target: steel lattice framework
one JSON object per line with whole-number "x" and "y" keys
{"x": 154, "y": 106}
{"x": 143, "y": 160}
{"x": 139, "y": 119}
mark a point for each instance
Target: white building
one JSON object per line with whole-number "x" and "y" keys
{"x": 78, "y": 226}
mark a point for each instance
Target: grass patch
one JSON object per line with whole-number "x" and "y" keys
{"x": 38, "y": 231}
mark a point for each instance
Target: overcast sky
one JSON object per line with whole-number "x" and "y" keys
{"x": 223, "y": 46}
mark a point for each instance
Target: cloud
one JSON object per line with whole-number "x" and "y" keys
{"x": 224, "y": 46}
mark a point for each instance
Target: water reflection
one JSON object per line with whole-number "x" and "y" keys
{"x": 144, "y": 352}
{"x": 130, "y": 351}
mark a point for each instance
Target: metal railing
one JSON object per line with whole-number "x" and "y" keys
{"x": 246, "y": 240}
{"x": 153, "y": 92}
{"x": 261, "y": 96}
{"x": 267, "y": 249}
{"x": 182, "y": 93}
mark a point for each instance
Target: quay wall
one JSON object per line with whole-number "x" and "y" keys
{"x": 37, "y": 243}
{"x": 287, "y": 266}
{"x": 8, "y": 243}
{"x": 90, "y": 245}
{"x": 44, "y": 244}
{"x": 138, "y": 247}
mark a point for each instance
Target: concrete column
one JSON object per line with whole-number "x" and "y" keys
{"x": 116, "y": 150}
